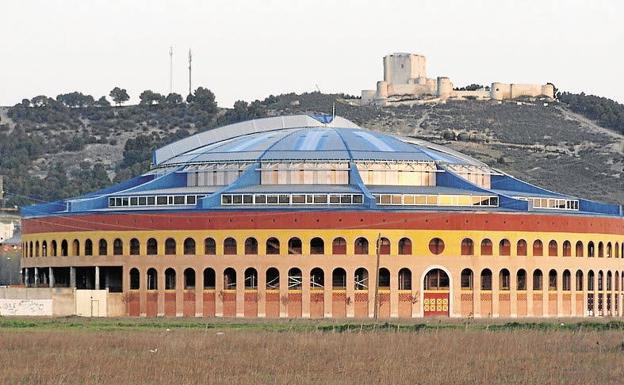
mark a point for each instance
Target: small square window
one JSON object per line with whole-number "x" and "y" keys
{"x": 334, "y": 199}
{"x": 111, "y": 202}
{"x": 298, "y": 199}
{"x": 226, "y": 199}
{"x": 237, "y": 199}
{"x": 260, "y": 199}
{"x": 247, "y": 199}
{"x": 284, "y": 199}
{"x": 358, "y": 199}
{"x": 161, "y": 200}
{"x": 178, "y": 200}
{"x": 151, "y": 201}
{"x": 142, "y": 201}
{"x": 134, "y": 201}
{"x": 272, "y": 199}
{"x": 320, "y": 199}
{"x": 190, "y": 199}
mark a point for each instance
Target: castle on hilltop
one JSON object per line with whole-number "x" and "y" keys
{"x": 405, "y": 78}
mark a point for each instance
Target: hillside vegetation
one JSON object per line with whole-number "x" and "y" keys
{"x": 59, "y": 147}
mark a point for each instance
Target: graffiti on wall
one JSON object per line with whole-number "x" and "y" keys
{"x": 25, "y": 307}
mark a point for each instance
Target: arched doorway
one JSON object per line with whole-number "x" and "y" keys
{"x": 436, "y": 293}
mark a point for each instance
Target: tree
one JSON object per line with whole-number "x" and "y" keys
{"x": 119, "y": 95}
{"x": 75, "y": 100}
{"x": 204, "y": 99}
{"x": 173, "y": 99}
{"x": 102, "y": 102}
{"x": 149, "y": 97}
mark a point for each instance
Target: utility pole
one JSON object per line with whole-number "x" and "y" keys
{"x": 376, "y": 309}
{"x": 171, "y": 69}
{"x": 1, "y": 191}
{"x": 190, "y": 59}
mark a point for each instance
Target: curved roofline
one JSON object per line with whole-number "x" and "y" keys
{"x": 222, "y": 133}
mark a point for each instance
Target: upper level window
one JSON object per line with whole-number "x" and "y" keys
{"x": 214, "y": 174}
{"x": 398, "y": 174}
{"x": 304, "y": 173}
{"x": 475, "y": 174}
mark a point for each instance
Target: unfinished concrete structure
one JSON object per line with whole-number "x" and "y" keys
{"x": 405, "y": 78}
{"x": 313, "y": 217}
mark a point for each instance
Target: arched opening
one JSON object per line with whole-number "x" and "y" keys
{"x": 405, "y": 279}
{"x": 89, "y": 247}
{"x": 251, "y": 246}
{"x": 552, "y": 248}
{"x": 405, "y": 246}
{"x": 600, "y": 281}
{"x": 504, "y": 280}
{"x": 436, "y": 246}
{"x": 521, "y": 248}
{"x": 579, "y": 280}
{"x": 37, "y": 249}
{"x": 273, "y": 246}
{"x": 75, "y": 248}
{"x": 64, "y": 249}
{"x": 44, "y": 248}
{"x": 384, "y": 246}
{"x": 361, "y": 246}
{"x": 339, "y": 279}
{"x": 384, "y": 278}
{"x": 590, "y": 281}
{"x": 504, "y": 247}
{"x": 117, "y": 247}
{"x": 103, "y": 247}
{"x": 209, "y": 278}
{"x": 579, "y": 249}
{"x": 170, "y": 246}
{"x": 53, "y": 249}
{"x": 295, "y": 279}
{"x": 567, "y": 249}
{"x": 486, "y": 247}
{"x": 29, "y": 249}
{"x": 317, "y": 278}
{"x": 210, "y": 246}
{"x": 189, "y": 246}
{"x": 552, "y": 280}
{"x": 467, "y": 247}
{"x": 538, "y": 248}
{"x": 360, "y": 279}
{"x": 272, "y": 279}
{"x": 152, "y": 246}
{"x": 567, "y": 280}
{"x": 609, "y": 250}
{"x": 229, "y": 246}
{"x": 189, "y": 278}
{"x": 135, "y": 247}
{"x": 466, "y": 279}
{"x": 317, "y": 246}
{"x": 251, "y": 279}
{"x": 600, "y": 250}
{"x": 339, "y": 246}
{"x": 135, "y": 279}
{"x": 436, "y": 279}
{"x": 537, "y": 280}
{"x": 521, "y": 280}
{"x": 229, "y": 279}
{"x": 152, "y": 279}
{"x": 590, "y": 249}
{"x": 294, "y": 246}
{"x": 170, "y": 279}
{"x": 617, "y": 250}
{"x": 486, "y": 279}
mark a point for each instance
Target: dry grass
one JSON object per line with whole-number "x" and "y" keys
{"x": 455, "y": 355}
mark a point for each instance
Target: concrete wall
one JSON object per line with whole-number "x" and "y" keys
{"x": 60, "y": 302}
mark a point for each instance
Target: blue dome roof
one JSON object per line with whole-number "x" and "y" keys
{"x": 300, "y": 138}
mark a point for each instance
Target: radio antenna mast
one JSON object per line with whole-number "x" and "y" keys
{"x": 190, "y": 59}
{"x": 171, "y": 69}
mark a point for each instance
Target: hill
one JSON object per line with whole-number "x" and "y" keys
{"x": 52, "y": 149}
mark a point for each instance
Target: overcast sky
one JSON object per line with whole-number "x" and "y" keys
{"x": 250, "y": 49}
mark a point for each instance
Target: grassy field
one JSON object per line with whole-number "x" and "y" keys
{"x": 125, "y": 351}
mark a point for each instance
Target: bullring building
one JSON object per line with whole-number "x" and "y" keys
{"x": 315, "y": 217}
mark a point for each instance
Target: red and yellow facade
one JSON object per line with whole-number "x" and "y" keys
{"x": 490, "y": 263}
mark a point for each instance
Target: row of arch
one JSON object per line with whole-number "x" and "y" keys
{"x": 435, "y": 279}
{"x": 486, "y": 282}
{"x": 294, "y": 245}
{"x": 504, "y": 247}
{"x": 272, "y": 278}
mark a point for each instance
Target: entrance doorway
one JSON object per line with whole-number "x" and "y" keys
{"x": 436, "y": 294}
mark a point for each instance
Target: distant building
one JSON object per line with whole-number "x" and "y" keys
{"x": 286, "y": 217}
{"x": 405, "y": 78}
